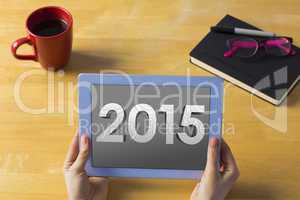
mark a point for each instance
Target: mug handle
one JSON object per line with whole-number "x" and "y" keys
{"x": 16, "y": 44}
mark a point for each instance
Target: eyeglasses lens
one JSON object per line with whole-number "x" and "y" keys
{"x": 278, "y": 46}
{"x": 242, "y": 47}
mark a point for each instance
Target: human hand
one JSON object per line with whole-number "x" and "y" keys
{"x": 79, "y": 185}
{"x": 217, "y": 180}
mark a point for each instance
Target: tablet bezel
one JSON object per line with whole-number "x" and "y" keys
{"x": 85, "y": 101}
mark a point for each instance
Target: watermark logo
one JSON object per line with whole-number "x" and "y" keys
{"x": 62, "y": 93}
{"x": 276, "y": 82}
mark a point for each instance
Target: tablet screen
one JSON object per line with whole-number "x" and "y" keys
{"x": 150, "y": 127}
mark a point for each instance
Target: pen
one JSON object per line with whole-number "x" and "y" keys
{"x": 241, "y": 31}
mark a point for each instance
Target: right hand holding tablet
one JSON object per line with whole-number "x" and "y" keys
{"x": 217, "y": 182}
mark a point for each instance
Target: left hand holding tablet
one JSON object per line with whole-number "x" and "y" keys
{"x": 79, "y": 185}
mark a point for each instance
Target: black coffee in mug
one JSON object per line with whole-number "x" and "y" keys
{"x": 49, "y": 27}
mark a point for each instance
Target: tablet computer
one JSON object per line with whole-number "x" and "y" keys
{"x": 149, "y": 126}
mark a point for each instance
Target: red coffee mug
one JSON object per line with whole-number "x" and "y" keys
{"x": 52, "y": 52}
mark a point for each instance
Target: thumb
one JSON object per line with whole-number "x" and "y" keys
{"x": 83, "y": 154}
{"x": 212, "y": 156}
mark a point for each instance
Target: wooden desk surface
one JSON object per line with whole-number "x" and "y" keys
{"x": 139, "y": 37}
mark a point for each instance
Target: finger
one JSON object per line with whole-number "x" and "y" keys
{"x": 72, "y": 152}
{"x": 83, "y": 154}
{"x": 227, "y": 157}
{"x": 195, "y": 192}
{"x": 231, "y": 171}
{"x": 212, "y": 156}
{"x": 101, "y": 184}
{"x": 98, "y": 181}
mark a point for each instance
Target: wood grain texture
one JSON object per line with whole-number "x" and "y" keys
{"x": 139, "y": 37}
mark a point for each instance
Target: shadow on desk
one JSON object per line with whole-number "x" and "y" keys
{"x": 90, "y": 62}
{"x": 122, "y": 189}
{"x": 252, "y": 191}
{"x": 294, "y": 96}
{"x": 180, "y": 189}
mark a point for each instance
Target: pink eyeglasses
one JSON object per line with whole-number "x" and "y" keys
{"x": 247, "y": 47}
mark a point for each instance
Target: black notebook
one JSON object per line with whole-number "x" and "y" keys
{"x": 266, "y": 76}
